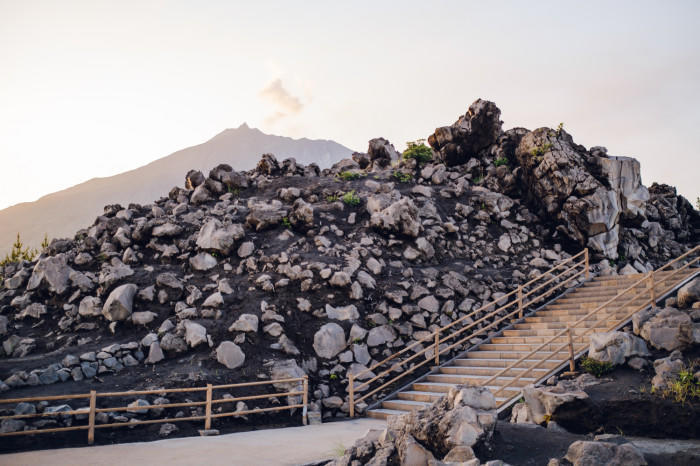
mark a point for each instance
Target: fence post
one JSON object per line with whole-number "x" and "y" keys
{"x": 304, "y": 418}
{"x": 207, "y": 409}
{"x": 351, "y": 389}
{"x": 520, "y": 301}
{"x": 572, "y": 363}
{"x": 91, "y": 417}
{"x": 585, "y": 254}
{"x": 652, "y": 292}
{"x": 437, "y": 348}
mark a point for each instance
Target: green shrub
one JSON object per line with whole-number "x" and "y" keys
{"x": 500, "y": 161}
{"x": 402, "y": 177}
{"x": 333, "y": 198}
{"x": 349, "y": 175}
{"x": 684, "y": 387}
{"x": 541, "y": 150}
{"x": 286, "y": 223}
{"x": 560, "y": 128}
{"x": 594, "y": 367}
{"x": 419, "y": 151}
{"x": 352, "y": 199}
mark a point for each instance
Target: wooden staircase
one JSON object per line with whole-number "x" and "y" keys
{"x": 502, "y": 355}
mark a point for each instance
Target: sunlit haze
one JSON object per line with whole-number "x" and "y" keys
{"x": 94, "y": 88}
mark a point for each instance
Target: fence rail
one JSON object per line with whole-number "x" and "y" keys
{"x": 545, "y": 284}
{"x": 208, "y": 403}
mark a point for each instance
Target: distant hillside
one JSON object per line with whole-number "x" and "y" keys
{"x": 61, "y": 213}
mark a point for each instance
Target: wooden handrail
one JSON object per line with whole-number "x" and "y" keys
{"x": 591, "y": 328}
{"x": 435, "y": 336}
{"x": 92, "y": 409}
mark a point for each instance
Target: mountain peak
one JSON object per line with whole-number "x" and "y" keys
{"x": 244, "y": 126}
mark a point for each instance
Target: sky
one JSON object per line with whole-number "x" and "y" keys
{"x": 95, "y": 88}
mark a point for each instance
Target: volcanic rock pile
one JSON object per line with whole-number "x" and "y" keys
{"x": 289, "y": 269}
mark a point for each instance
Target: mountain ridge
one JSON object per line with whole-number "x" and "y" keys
{"x": 62, "y": 212}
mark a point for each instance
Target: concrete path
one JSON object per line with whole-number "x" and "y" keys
{"x": 288, "y": 446}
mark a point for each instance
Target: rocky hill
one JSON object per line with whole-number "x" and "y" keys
{"x": 286, "y": 269}
{"x": 62, "y": 213}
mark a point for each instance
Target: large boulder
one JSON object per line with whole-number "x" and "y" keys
{"x": 400, "y": 217}
{"x": 288, "y": 369}
{"x": 447, "y": 431}
{"x": 230, "y": 354}
{"x": 215, "y": 236}
{"x": 689, "y": 294}
{"x": 381, "y": 153}
{"x": 542, "y": 402}
{"x": 668, "y": 329}
{"x": 616, "y": 347}
{"x": 265, "y": 215}
{"x": 51, "y": 273}
{"x": 195, "y": 334}
{"x": 666, "y": 370}
{"x": 624, "y": 178}
{"x": 329, "y": 340}
{"x": 473, "y": 132}
{"x": 588, "y": 453}
{"x": 119, "y": 304}
{"x": 558, "y": 180}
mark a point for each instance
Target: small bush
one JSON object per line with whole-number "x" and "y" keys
{"x": 560, "y": 128}
{"x": 500, "y": 161}
{"x": 541, "y": 150}
{"x": 685, "y": 387}
{"x": 419, "y": 151}
{"x": 352, "y": 199}
{"x": 286, "y": 223}
{"x": 594, "y": 367}
{"x": 349, "y": 176}
{"x": 402, "y": 177}
{"x": 333, "y": 198}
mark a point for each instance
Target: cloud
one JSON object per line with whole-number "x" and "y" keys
{"x": 285, "y": 104}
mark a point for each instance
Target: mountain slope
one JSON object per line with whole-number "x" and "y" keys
{"x": 62, "y": 213}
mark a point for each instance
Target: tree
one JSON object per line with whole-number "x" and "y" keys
{"x": 19, "y": 252}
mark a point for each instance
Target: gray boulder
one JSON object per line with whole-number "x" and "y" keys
{"x": 689, "y": 294}
{"x": 230, "y": 354}
{"x": 203, "y": 261}
{"x": 195, "y": 334}
{"x": 214, "y": 236}
{"x": 245, "y": 323}
{"x": 119, "y": 304}
{"x": 587, "y": 453}
{"x": 616, "y": 347}
{"x": 668, "y": 329}
{"x": 51, "y": 273}
{"x": 479, "y": 128}
{"x": 399, "y": 217}
{"x": 329, "y": 340}
{"x": 342, "y": 313}
{"x": 90, "y": 306}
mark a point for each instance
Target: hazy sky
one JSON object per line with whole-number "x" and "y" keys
{"x": 95, "y": 88}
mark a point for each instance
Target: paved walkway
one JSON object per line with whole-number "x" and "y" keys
{"x": 288, "y": 446}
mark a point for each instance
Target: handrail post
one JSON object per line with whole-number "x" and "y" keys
{"x": 585, "y": 254}
{"x": 572, "y": 363}
{"x": 520, "y": 301}
{"x": 304, "y": 417}
{"x": 91, "y": 417}
{"x": 437, "y": 348}
{"x": 652, "y": 292}
{"x": 207, "y": 409}
{"x": 351, "y": 389}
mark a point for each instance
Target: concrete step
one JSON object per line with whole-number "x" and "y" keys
{"x": 501, "y": 363}
{"x": 513, "y": 355}
{"x": 478, "y": 379}
{"x": 381, "y": 413}
{"x": 423, "y": 396}
{"x": 404, "y": 405}
{"x": 489, "y": 371}
{"x": 528, "y": 340}
{"x": 526, "y": 347}
{"x": 544, "y": 332}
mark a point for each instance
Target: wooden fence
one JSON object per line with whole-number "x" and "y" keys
{"x": 208, "y": 403}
